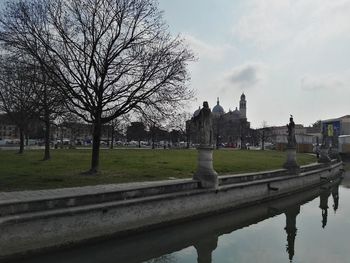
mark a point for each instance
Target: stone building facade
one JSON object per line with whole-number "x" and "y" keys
{"x": 332, "y": 129}
{"x": 277, "y": 135}
{"x": 231, "y": 129}
{"x": 78, "y": 133}
{"x": 67, "y": 132}
{"x": 8, "y": 130}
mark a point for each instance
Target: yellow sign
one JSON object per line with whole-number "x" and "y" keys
{"x": 330, "y": 130}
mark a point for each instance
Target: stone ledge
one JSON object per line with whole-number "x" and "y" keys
{"x": 142, "y": 199}
{"x": 75, "y": 198}
{"x": 64, "y": 198}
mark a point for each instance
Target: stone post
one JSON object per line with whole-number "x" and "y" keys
{"x": 324, "y": 157}
{"x": 291, "y": 164}
{"x": 205, "y": 173}
{"x": 334, "y": 153}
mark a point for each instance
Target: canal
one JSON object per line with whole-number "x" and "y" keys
{"x": 311, "y": 226}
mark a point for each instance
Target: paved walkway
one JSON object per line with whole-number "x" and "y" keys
{"x": 20, "y": 196}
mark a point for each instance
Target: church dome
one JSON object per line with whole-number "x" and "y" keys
{"x": 236, "y": 112}
{"x": 218, "y": 110}
{"x": 242, "y": 96}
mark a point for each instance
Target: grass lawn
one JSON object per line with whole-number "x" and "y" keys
{"x": 27, "y": 171}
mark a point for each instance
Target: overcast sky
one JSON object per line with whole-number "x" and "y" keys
{"x": 287, "y": 56}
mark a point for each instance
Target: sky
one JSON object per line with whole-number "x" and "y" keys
{"x": 287, "y": 56}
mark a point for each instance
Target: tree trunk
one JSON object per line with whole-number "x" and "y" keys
{"x": 263, "y": 141}
{"x": 153, "y": 144}
{"x": 95, "y": 159}
{"x": 112, "y": 138}
{"x": 47, "y": 138}
{"x": 21, "y": 141}
{"x": 187, "y": 140}
{"x": 108, "y": 136}
{"x": 61, "y": 146}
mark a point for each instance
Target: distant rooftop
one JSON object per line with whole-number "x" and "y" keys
{"x": 337, "y": 119}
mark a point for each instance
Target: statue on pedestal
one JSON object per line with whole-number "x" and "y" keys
{"x": 204, "y": 124}
{"x": 292, "y": 142}
{"x": 291, "y": 163}
{"x": 325, "y": 147}
{"x": 205, "y": 173}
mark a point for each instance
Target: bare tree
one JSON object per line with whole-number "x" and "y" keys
{"x": 16, "y": 94}
{"x": 49, "y": 102}
{"x": 177, "y": 122}
{"x": 66, "y": 125}
{"x": 160, "y": 122}
{"x": 44, "y": 100}
{"x": 110, "y": 57}
{"x": 154, "y": 120}
{"x": 118, "y": 126}
{"x": 265, "y": 133}
{"x": 136, "y": 131}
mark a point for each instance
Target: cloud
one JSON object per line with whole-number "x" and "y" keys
{"x": 326, "y": 22}
{"x": 265, "y": 23}
{"x": 245, "y": 76}
{"x": 272, "y": 23}
{"x": 326, "y": 83}
{"x": 204, "y": 50}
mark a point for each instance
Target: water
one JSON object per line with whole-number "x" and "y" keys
{"x": 313, "y": 226}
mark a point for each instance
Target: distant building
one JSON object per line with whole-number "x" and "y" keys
{"x": 68, "y": 132}
{"x": 315, "y": 131}
{"x": 331, "y": 129}
{"x": 337, "y": 126}
{"x": 8, "y": 130}
{"x": 277, "y": 135}
{"x": 282, "y": 130}
{"x": 79, "y": 133}
{"x": 230, "y": 129}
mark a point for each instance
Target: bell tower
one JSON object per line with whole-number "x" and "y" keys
{"x": 243, "y": 106}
